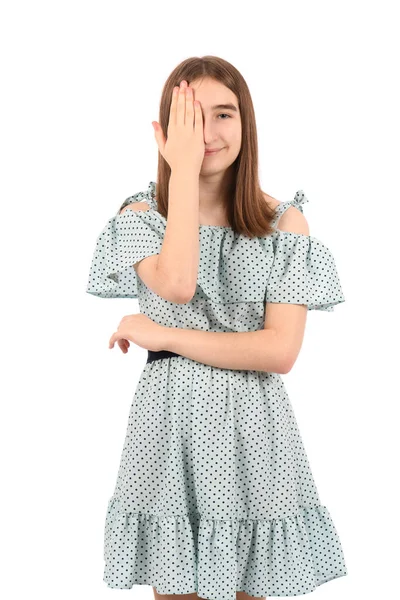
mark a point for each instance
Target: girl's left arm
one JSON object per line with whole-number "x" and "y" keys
{"x": 249, "y": 350}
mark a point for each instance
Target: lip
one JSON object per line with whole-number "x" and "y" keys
{"x": 212, "y": 152}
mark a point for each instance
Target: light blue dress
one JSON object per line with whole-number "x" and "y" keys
{"x": 214, "y": 492}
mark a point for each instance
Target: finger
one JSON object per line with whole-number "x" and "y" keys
{"x": 112, "y": 340}
{"x": 174, "y": 104}
{"x": 160, "y": 138}
{"x": 198, "y": 118}
{"x": 180, "y": 111}
{"x": 189, "y": 108}
{"x": 158, "y": 132}
{"x": 122, "y": 345}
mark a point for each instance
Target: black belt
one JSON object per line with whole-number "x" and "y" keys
{"x": 161, "y": 354}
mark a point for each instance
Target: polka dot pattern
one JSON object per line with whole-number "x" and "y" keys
{"x": 303, "y": 272}
{"x": 234, "y": 269}
{"x": 214, "y": 492}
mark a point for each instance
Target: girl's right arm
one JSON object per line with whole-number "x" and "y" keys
{"x": 180, "y": 253}
{"x": 172, "y": 274}
{"x": 177, "y": 265}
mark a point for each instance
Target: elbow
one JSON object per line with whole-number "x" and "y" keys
{"x": 183, "y": 298}
{"x": 285, "y": 368}
{"x": 287, "y": 363}
{"x": 176, "y": 290}
{"x": 279, "y": 357}
{"x": 285, "y": 354}
{"x": 181, "y": 294}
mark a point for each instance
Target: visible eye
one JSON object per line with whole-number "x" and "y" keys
{"x": 229, "y": 117}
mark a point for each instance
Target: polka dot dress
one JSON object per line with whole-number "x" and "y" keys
{"x": 214, "y": 492}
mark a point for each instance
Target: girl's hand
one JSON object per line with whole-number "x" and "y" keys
{"x": 142, "y": 331}
{"x": 184, "y": 146}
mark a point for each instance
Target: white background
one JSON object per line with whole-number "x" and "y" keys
{"x": 81, "y": 83}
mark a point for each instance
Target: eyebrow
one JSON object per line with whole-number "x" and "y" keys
{"x": 225, "y": 107}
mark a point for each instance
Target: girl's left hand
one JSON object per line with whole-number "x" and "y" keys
{"x": 142, "y": 331}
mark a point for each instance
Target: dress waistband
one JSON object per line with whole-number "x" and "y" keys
{"x": 161, "y": 354}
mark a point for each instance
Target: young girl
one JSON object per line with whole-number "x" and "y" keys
{"x": 214, "y": 496}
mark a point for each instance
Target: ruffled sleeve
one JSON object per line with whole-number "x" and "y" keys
{"x": 303, "y": 272}
{"x": 126, "y": 239}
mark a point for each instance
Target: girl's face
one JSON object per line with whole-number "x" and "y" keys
{"x": 222, "y": 124}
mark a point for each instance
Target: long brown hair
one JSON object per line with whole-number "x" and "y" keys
{"x": 247, "y": 210}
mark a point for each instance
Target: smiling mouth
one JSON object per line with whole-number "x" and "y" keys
{"x": 212, "y": 152}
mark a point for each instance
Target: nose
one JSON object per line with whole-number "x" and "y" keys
{"x": 209, "y": 132}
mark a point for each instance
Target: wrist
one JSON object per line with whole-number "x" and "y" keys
{"x": 168, "y": 338}
{"x": 185, "y": 172}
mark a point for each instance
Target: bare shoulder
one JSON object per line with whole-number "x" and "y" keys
{"x": 136, "y": 206}
{"x": 293, "y": 220}
{"x": 272, "y": 202}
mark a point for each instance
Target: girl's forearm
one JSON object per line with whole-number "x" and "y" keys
{"x": 248, "y": 350}
{"x": 180, "y": 252}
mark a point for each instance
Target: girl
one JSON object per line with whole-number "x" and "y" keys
{"x": 214, "y": 496}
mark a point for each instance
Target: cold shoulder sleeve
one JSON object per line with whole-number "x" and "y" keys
{"x": 303, "y": 272}
{"x": 126, "y": 239}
